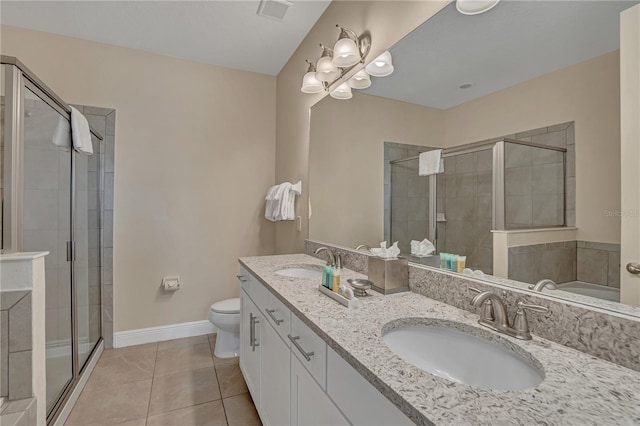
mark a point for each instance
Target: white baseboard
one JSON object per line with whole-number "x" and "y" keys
{"x": 159, "y": 334}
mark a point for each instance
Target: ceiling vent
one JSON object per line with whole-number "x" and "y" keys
{"x": 274, "y": 9}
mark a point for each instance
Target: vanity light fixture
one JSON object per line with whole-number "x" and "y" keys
{"x": 475, "y": 7}
{"x": 310, "y": 84}
{"x": 329, "y": 71}
{"x": 381, "y": 66}
{"x": 360, "y": 80}
{"x": 325, "y": 70}
{"x": 342, "y": 92}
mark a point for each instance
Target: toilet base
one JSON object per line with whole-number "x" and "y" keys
{"x": 227, "y": 344}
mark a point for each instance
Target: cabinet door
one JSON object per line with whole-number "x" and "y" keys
{"x": 250, "y": 325}
{"x": 274, "y": 378}
{"x": 310, "y": 406}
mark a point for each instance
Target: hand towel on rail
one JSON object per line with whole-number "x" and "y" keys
{"x": 80, "y": 132}
{"x": 430, "y": 163}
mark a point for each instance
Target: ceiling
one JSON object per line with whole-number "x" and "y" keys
{"x": 514, "y": 42}
{"x": 225, "y": 33}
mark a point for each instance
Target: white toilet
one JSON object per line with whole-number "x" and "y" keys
{"x": 225, "y": 315}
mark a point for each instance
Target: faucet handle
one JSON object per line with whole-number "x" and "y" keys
{"x": 520, "y": 322}
{"x": 487, "y": 313}
{"x": 535, "y": 308}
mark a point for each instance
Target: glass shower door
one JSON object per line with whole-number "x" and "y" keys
{"x": 47, "y": 227}
{"x": 86, "y": 234}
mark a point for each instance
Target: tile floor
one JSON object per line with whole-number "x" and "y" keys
{"x": 173, "y": 383}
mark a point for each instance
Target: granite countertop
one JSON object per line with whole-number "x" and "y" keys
{"x": 578, "y": 388}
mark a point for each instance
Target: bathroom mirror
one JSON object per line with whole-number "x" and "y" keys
{"x": 524, "y": 102}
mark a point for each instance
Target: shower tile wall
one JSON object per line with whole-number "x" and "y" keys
{"x": 15, "y": 344}
{"x": 464, "y": 197}
{"x": 406, "y": 196}
{"x": 554, "y": 261}
{"x": 596, "y": 263}
{"x": 599, "y": 263}
{"x": 535, "y": 181}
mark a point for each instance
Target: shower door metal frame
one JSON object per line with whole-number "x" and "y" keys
{"x": 18, "y": 78}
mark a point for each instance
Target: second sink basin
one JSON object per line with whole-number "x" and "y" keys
{"x": 462, "y": 357}
{"x": 308, "y": 272}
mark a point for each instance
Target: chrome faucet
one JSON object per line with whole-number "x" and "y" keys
{"x": 332, "y": 257}
{"x": 540, "y": 285}
{"x": 363, "y": 246}
{"x": 500, "y": 320}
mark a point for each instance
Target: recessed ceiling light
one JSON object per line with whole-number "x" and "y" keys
{"x": 475, "y": 7}
{"x": 465, "y": 85}
{"x": 274, "y": 9}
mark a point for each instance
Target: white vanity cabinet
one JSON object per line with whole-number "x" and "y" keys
{"x": 309, "y": 404}
{"x": 274, "y": 379}
{"x": 250, "y": 323}
{"x": 290, "y": 371}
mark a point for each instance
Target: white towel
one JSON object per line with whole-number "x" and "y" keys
{"x": 430, "y": 163}
{"x": 269, "y": 206}
{"x": 283, "y": 198}
{"x": 281, "y": 201}
{"x": 80, "y": 132}
{"x": 61, "y": 136}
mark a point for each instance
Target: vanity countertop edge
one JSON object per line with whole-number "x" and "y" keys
{"x": 578, "y": 388}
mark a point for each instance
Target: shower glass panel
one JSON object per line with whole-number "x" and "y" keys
{"x": 534, "y": 187}
{"x": 464, "y": 208}
{"x": 47, "y": 227}
{"x": 87, "y": 239}
{"x": 409, "y": 205}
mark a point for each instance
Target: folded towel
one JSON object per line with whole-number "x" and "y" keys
{"x": 430, "y": 163}
{"x": 280, "y": 203}
{"x": 80, "y": 132}
{"x": 62, "y": 135}
{"x": 282, "y": 199}
{"x": 269, "y": 207}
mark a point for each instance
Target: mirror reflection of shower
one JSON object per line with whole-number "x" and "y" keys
{"x": 500, "y": 184}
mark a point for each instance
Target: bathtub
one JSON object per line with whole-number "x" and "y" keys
{"x": 593, "y": 290}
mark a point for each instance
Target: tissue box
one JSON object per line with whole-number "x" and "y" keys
{"x": 389, "y": 275}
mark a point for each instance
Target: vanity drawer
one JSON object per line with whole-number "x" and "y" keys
{"x": 247, "y": 281}
{"x": 303, "y": 342}
{"x": 360, "y": 402}
{"x": 279, "y": 316}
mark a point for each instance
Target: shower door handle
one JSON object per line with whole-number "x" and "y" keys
{"x": 633, "y": 268}
{"x": 71, "y": 251}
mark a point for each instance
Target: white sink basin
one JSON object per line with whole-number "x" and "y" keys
{"x": 462, "y": 357}
{"x": 301, "y": 272}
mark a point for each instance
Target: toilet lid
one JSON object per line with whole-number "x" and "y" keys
{"x": 229, "y": 306}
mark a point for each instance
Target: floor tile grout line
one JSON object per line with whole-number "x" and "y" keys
{"x": 190, "y": 406}
{"x": 153, "y": 375}
{"x": 215, "y": 370}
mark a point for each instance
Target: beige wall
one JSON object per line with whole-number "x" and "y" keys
{"x": 195, "y": 153}
{"x": 587, "y": 93}
{"x": 388, "y": 22}
{"x": 346, "y": 155}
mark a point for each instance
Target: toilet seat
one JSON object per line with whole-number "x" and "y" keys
{"x": 229, "y": 306}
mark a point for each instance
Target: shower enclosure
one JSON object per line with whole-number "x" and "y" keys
{"x": 51, "y": 198}
{"x": 499, "y": 185}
